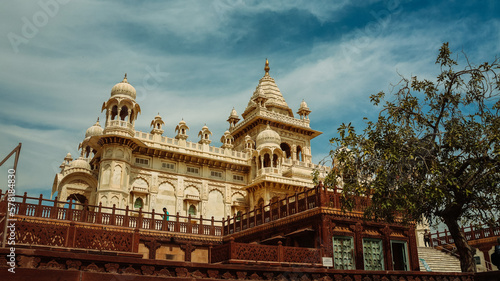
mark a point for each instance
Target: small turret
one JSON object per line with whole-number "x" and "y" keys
{"x": 204, "y": 135}
{"x": 181, "y": 130}
{"x": 157, "y": 125}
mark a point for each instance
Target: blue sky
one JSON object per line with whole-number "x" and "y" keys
{"x": 196, "y": 60}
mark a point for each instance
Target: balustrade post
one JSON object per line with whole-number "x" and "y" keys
{"x": 228, "y": 224}
{"x": 223, "y": 227}
{"x": 126, "y": 220}
{"x": 234, "y": 223}
{"x": 296, "y": 202}
{"x": 189, "y": 227}
{"x": 152, "y": 222}
{"x": 247, "y": 219}
{"x": 306, "y": 200}
{"x": 262, "y": 214}
{"x": 201, "y": 225}
{"x": 287, "y": 205}
{"x": 84, "y": 214}
{"x": 334, "y": 198}
{"x": 113, "y": 218}
{"x": 99, "y": 214}
{"x": 38, "y": 212}
{"x": 53, "y": 213}
{"x": 446, "y": 236}
{"x": 177, "y": 224}
{"x": 323, "y": 195}
{"x": 164, "y": 222}
{"x": 139, "y": 218}
{"x": 271, "y": 211}
{"x": 241, "y": 222}
{"x": 472, "y": 233}
{"x": 69, "y": 214}
{"x": 22, "y": 208}
{"x": 254, "y": 218}
{"x": 212, "y": 227}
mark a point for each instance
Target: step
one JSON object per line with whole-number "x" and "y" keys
{"x": 434, "y": 260}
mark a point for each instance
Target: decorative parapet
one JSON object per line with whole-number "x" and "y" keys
{"x": 196, "y": 149}
{"x": 276, "y": 116}
{"x": 119, "y": 127}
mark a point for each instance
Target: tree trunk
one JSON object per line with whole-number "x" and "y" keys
{"x": 466, "y": 253}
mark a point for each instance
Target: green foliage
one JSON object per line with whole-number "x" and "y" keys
{"x": 433, "y": 152}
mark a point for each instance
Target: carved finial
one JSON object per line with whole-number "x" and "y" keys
{"x": 266, "y": 69}
{"x": 125, "y": 79}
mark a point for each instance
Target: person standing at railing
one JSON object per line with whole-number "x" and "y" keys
{"x": 165, "y": 217}
{"x": 427, "y": 238}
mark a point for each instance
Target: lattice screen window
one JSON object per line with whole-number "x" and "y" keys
{"x": 343, "y": 252}
{"x": 373, "y": 254}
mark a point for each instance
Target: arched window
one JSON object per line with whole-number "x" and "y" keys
{"x": 192, "y": 210}
{"x": 275, "y": 160}
{"x": 286, "y": 148}
{"x": 267, "y": 160}
{"x": 158, "y": 125}
{"x": 274, "y": 202}
{"x": 123, "y": 113}
{"x": 114, "y": 112}
{"x": 299, "y": 153}
{"x": 238, "y": 216}
{"x": 183, "y": 131}
{"x": 138, "y": 204}
{"x": 260, "y": 203}
{"x": 77, "y": 198}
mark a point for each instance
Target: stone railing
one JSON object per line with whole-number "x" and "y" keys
{"x": 252, "y": 253}
{"x": 30, "y": 207}
{"x": 119, "y": 123}
{"x": 174, "y": 144}
{"x": 276, "y": 116}
{"x": 309, "y": 199}
{"x": 471, "y": 233}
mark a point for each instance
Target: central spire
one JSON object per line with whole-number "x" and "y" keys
{"x": 266, "y": 68}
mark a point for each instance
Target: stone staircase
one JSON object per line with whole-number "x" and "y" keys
{"x": 434, "y": 260}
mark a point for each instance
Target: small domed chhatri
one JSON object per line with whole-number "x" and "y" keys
{"x": 268, "y": 138}
{"x": 95, "y": 130}
{"x": 233, "y": 113}
{"x": 303, "y": 104}
{"x": 80, "y": 163}
{"x": 124, "y": 88}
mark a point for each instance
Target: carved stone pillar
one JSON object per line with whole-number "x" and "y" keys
{"x": 188, "y": 249}
{"x": 412, "y": 246}
{"x": 358, "y": 245}
{"x": 386, "y": 241}
{"x": 152, "y": 246}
